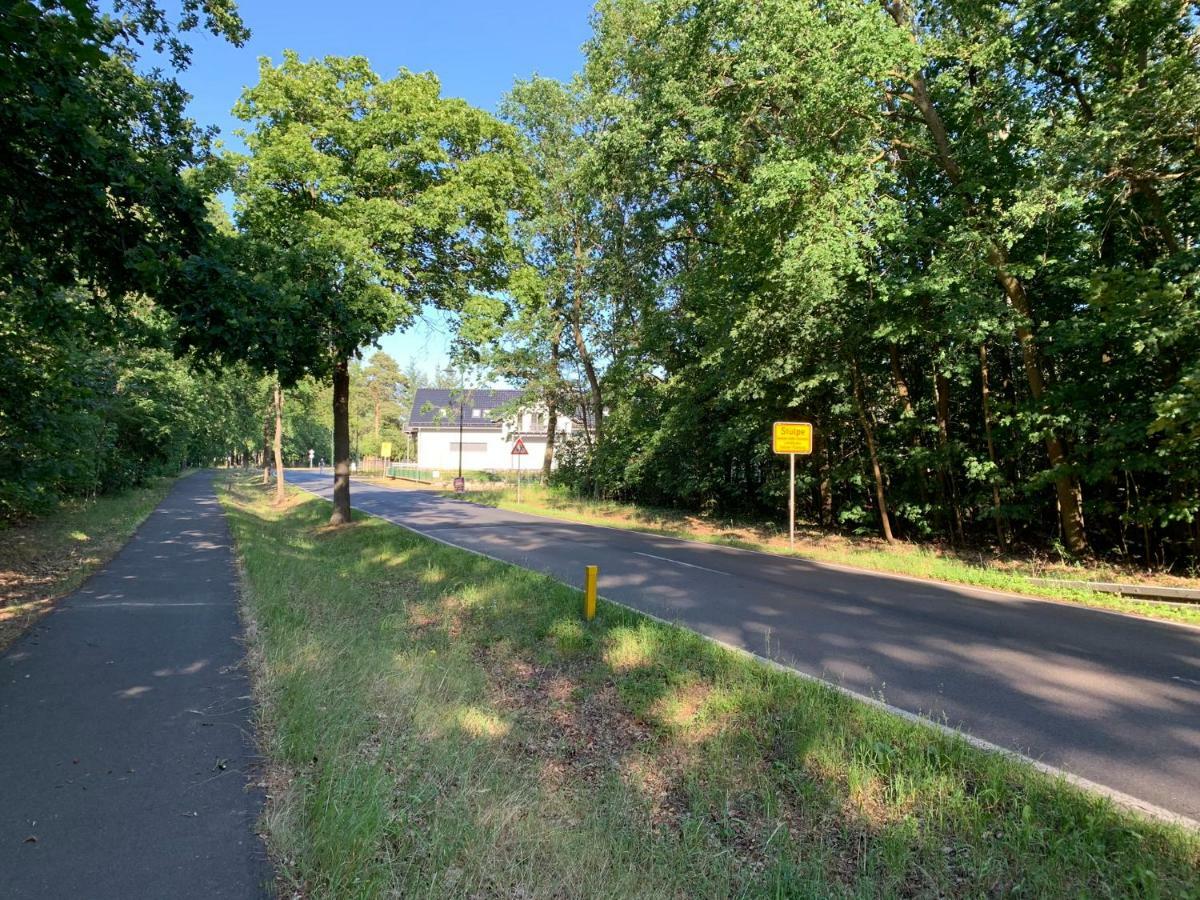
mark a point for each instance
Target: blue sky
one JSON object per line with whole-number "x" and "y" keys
{"x": 477, "y": 48}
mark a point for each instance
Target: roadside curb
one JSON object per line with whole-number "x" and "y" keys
{"x": 841, "y": 567}
{"x": 1118, "y": 798}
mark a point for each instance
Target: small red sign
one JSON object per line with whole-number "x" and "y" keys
{"x": 519, "y": 448}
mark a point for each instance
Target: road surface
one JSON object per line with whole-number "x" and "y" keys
{"x": 1110, "y": 698}
{"x": 125, "y": 726}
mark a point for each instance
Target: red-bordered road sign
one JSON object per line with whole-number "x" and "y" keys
{"x": 519, "y": 448}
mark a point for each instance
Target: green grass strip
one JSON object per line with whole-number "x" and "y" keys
{"x": 440, "y": 724}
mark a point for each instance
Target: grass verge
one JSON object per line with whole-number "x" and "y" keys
{"x": 440, "y": 724}
{"x": 47, "y": 558}
{"x": 994, "y": 571}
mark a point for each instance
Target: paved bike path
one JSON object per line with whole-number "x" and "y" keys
{"x": 126, "y": 746}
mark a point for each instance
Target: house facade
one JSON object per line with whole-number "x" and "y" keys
{"x": 491, "y": 421}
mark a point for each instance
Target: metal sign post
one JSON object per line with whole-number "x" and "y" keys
{"x": 792, "y": 438}
{"x": 792, "y": 501}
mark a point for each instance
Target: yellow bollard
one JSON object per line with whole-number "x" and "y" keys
{"x": 589, "y": 592}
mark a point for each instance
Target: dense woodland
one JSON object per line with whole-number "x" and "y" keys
{"x": 958, "y": 237}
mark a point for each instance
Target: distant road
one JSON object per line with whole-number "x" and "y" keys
{"x": 1111, "y": 698}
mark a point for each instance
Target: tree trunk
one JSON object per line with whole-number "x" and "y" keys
{"x": 1070, "y": 500}
{"x": 266, "y": 446}
{"x": 551, "y": 411}
{"x": 898, "y": 379}
{"x": 941, "y": 389}
{"x": 825, "y": 483}
{"x": 910, "y": 417}
{"x": 1001, "y": 531}
{"x": 585, "y": 356}
{"x": 876, "y": 470}
{"x": 280, "y": 493}
{"x": 341, "y": 444}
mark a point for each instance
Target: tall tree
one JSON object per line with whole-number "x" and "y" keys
{"x": 384, "y": 385}
{"x": 562, "y": 298}
{"x": 375, "y": 197}
{"x": 97, "y": 213}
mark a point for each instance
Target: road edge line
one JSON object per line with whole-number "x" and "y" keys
{"x": 1118, "y": 798}
{"x": 843, "y": 567}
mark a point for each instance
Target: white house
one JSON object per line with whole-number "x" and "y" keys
{"x": 486, "y": 423}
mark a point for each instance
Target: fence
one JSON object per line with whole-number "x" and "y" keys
{"x": 410, "y": 471}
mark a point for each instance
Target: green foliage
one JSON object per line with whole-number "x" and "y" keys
{"x": 362, "y": 199}
{"x": 960, "y": 239}
{"x": 91, "y": 186}
{"x": 100, "y": 207}
{"x": 81, "y": 419}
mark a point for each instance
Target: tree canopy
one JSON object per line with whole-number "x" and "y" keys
{"x": 368, "y": 198}
{"x": 98, "y": 214}
{"x": 957, "y": 237}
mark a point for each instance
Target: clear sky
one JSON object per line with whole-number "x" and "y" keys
{"x": 476, "y": 47}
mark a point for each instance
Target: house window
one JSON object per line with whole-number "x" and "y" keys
{"x": 477, "y": 413}
{"x": 468, "y": 446}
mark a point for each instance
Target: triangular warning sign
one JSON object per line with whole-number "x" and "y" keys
{"x": 519, "y": 448}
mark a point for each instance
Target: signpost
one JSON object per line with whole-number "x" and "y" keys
{"x": 310, "y": 457}
{"x": 385, "y": 450}
{"x": 518, "y": 451}
{"x": 792, "y": 438}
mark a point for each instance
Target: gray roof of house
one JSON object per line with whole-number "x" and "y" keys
{"x": 429, "y": 402}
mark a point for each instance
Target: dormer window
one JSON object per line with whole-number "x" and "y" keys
{"x": 477, "y": 413}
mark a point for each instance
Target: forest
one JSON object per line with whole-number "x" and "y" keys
{"x": 957, "y": 237}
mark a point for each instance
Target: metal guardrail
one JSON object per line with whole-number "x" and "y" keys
{"x": 1146, "y": 591}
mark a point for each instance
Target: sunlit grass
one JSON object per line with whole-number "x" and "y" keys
{"x": 439, "y": 724}
{"x": 902, "y": 559}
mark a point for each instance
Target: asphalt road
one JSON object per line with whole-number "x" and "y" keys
{"x": 1110, "y": 698}
{"x": 125, "y": 726}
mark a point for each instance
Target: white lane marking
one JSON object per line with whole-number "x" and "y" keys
{"x": 1186, "y": 680}
{"x": 681, "y": 563}
{"x": 1128, "y": 801}
{"x": 961, "y": 588}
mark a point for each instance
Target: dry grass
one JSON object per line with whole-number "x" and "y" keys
{"x": 45, "y": 559}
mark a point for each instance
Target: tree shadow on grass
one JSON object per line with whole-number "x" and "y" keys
{"x": 663, "y": 752}
{"x": 763, "y": 770}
